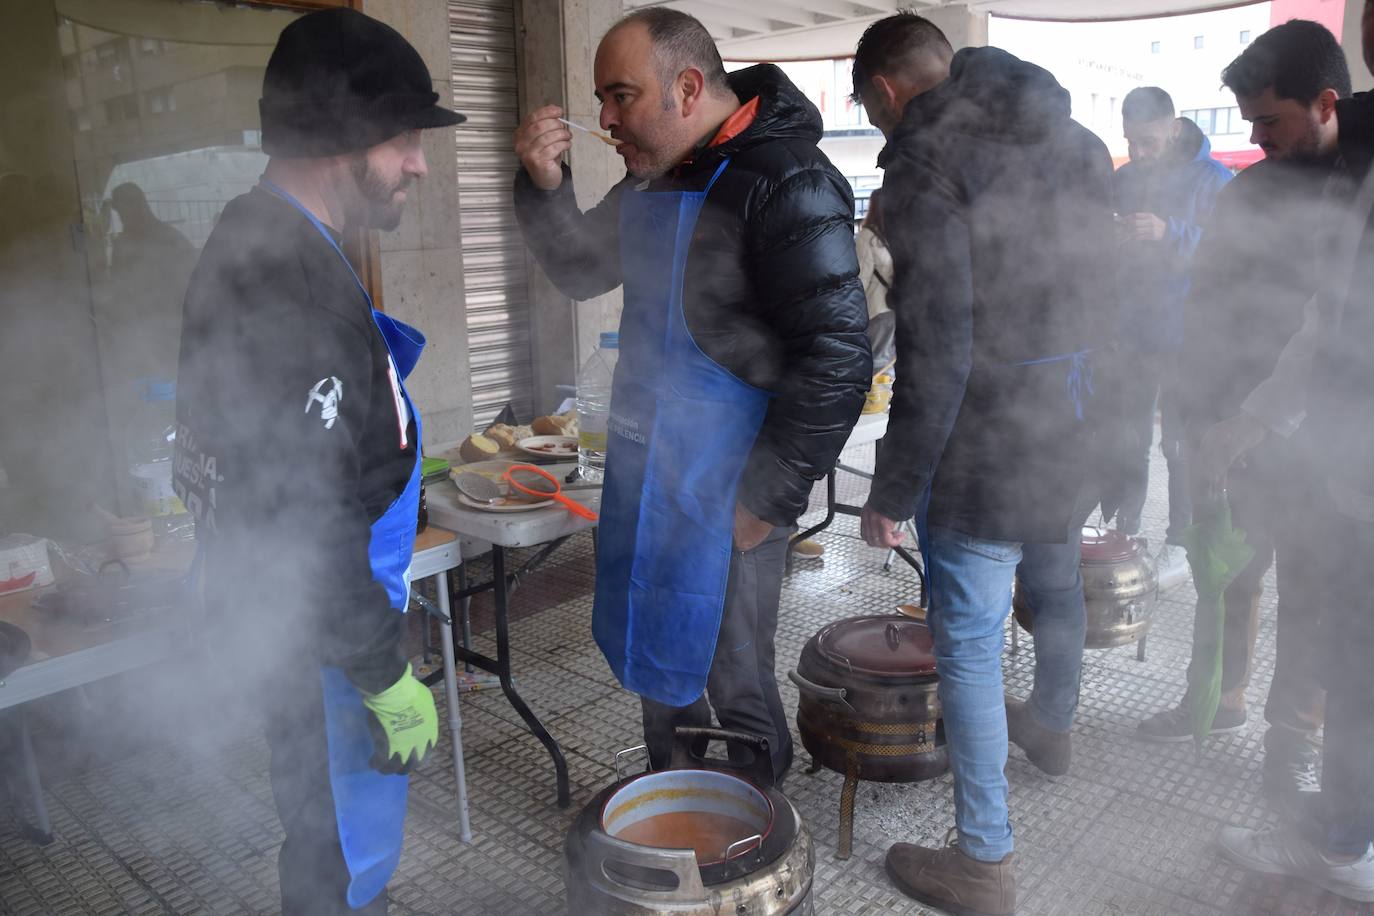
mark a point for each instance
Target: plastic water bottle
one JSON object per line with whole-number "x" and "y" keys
{"x": 148, "y": 448}
{"x": 594, "y": 407}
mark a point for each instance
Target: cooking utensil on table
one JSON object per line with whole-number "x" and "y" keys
{"x": 477, "y": 488}
{"x": 535, "y": 481}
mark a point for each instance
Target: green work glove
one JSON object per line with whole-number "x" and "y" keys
{"x": 404, "y": 724}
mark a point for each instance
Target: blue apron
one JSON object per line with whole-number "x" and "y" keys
{"x": 370, "y": 807}
{"x": 680, "y": 431}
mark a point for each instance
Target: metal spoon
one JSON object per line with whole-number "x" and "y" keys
{"x": 609, "y": 141}
{"x": 477, "y": 488}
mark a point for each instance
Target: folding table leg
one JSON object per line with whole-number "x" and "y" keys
{"x": 455, "y": 718}
{"x": 40, "y": 831}
{"x": 560, "y": 765}
{"x": 815, "y": 529}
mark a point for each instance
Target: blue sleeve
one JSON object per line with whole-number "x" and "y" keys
{"x": 932, "y": 301}
{"x": 1183, "y": 235}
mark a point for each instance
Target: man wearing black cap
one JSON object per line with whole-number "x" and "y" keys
{"x": 298, "y": 452}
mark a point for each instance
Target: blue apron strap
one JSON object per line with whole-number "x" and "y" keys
{"x": 720, "y": 168}
{"x": 320, "y": 227}
{"x": 1080, "y": 378}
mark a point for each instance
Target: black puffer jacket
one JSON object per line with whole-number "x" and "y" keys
{"x": 1003, "y": 255}
{"x": 772, "y": 291}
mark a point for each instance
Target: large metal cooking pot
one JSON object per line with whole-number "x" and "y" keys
{"x": 869, "y": 705}
{"x": 765, "y": 870}
{"x": 1120, "y": 586}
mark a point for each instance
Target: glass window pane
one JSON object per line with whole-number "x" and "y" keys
{"x": 128, "y": 125}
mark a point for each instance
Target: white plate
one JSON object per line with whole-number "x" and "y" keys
{"x": 504, "y": 504}
{"x": 553, "y": 447}
{"x": 493, "y": 471}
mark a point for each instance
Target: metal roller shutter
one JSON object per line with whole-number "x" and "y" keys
{"x": 482, "y": 38}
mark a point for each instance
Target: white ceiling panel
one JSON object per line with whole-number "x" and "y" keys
{"x": 811, "y": 29}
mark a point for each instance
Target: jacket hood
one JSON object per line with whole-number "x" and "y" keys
{"x": 1191, "y": 144}
{"x": 784, "y": 113}
{"x": 989, "y": 94}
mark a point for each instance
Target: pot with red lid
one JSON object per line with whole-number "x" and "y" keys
{"x": 705, "y": 837}
{"x": 869, "y": 705}
{"x": 1120, "y": 587}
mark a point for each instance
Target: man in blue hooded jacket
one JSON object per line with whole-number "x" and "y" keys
{"x": 1164, "y": 195}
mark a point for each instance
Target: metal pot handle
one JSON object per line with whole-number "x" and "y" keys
{"x": 760, "y": 769}
{"x": 603, "y": 849}
{"x": 756, "y": 839}
{"x": 836, "y": 695}
{"x": 623, "y": 752}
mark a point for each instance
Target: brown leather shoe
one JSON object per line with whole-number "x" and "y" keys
{"x": 952, "y": 881}
{"x": 1049, "y": 750}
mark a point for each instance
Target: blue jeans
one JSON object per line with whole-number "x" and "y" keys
{"x": 970, "y": 596}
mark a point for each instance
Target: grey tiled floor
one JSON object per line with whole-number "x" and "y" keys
{"x": 176, "y": 816}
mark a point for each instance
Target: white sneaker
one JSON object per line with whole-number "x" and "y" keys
{"x": 1172, "y": 564}
{"x": 1285, "y": 851}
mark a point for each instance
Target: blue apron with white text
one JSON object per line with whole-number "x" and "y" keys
{"x": 370, "y": 807}
{"x": 681, "y": 429}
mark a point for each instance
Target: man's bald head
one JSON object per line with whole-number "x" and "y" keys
{"x": 679, "y": 42}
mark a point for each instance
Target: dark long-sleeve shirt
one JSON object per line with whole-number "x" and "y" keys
{"x": 292, "y": 440}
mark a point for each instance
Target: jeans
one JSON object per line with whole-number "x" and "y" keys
{"x": 742, "y": 685}
{"x": 970, "y": 596}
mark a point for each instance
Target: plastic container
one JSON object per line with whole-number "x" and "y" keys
{"x": 594, "y": 406}
{"x": 149, "y": 441}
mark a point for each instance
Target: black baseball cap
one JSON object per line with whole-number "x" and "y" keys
{"x": 338, "y": 82}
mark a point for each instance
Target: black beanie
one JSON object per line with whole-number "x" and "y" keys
{"x": 339, "y": 82}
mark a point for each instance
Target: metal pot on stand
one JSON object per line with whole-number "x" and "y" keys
{"x": 1120, "y": 588}
{"x": 869, "y": 706}
{"x": 706, "y": 837}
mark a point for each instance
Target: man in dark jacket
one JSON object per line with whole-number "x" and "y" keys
{"x": 1003, "y": 260}
{"x": 1164, "y": 195}
{"x": 298, "y": 451}
{"x": 1256, "y": 269}
{"x": 743, "y": 359}
{"x": 1320, "y": 388}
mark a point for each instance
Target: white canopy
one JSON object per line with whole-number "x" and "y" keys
{"x": 814, "y": 29}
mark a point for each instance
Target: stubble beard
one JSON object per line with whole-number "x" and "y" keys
{"x": 376, "y": 196}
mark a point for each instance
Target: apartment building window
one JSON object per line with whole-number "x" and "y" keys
{"x": 1154, "y": 47}
{"x": 1216, "y": 121}
{"x": 161, "y": 100}
{"x": 1245, "y": 36}
{"x": 121, "y": 108}
{"x": 1197, "y": 42}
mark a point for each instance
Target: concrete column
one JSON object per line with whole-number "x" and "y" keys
{"x": 1350, "y": 40}
{"x": 422, "y": 260}
{"x": 964, "y": 27}
{"x": 557, "y": 46}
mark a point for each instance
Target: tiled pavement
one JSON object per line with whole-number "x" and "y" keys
{"x": 175, "y": 815}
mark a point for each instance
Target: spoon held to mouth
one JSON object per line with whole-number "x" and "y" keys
{"x": 609, "y": 141}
